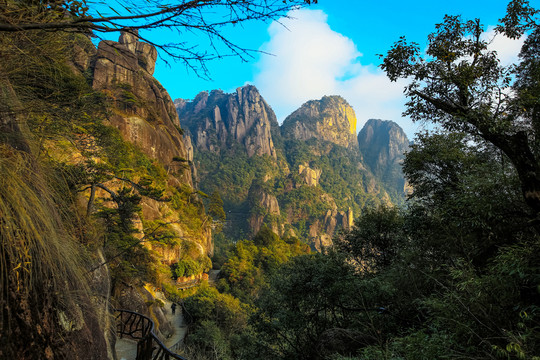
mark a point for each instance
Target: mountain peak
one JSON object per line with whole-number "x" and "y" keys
{"x": 217, "y": 119}
{"x": 383, "y": 144}
{"x": 331, "y": 118}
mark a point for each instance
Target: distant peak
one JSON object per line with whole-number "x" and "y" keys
{"x": 331, "y": 118}
{"x": 247, "y": 87}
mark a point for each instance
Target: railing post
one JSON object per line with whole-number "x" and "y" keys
{"x": 144, "y": 348}
{"x": 136, "y": 324}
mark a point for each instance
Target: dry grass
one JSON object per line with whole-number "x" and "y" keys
{"x": 37, "y": 256}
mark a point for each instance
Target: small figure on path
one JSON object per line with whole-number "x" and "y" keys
{"x": 173, "y": 307}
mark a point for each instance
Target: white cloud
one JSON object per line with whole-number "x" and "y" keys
{"x": 311, "y": 60}
{"x": 507, "y": 49}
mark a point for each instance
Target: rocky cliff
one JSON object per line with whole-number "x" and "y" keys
{"x": 146, "y": 116}
{"x": 53, "y": 306}
{"x": 98, "y": 198}
{"x": 330, "y": 118}
{"x": 135, "y": 161}
{"x": 383, "y": 145}
{"x": 306, "y": 178}
{"x": 264, "y": 208}
{"x": 144, "y": 111}
{"x": 218, "y": 121}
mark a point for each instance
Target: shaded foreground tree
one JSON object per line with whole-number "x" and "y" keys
{"x": 206, "y": 19}
{"x": 460, "y": 84}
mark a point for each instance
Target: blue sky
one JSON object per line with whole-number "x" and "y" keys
{"x": 330, "y": 49}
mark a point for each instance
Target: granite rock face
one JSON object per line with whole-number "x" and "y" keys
{"x": 265, "y": 208}
{"x": 146, "y": 116}
{"x": 322, "y": 230}
{"x": 218, "y": 120}
{"x": 383, "y": 145}
{"x": 311, "y": 176}
{"x": 146, "y": 54}
{"x": 145, "y": 113}
{"x": 330, "y": 118}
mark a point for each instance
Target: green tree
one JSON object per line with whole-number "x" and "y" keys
{"x": 458, "y": 82}
{"x": 265, "y": 237}
{"x": 374, "y": 241}
{"x": 475, "y": 200}
{"x": 314, "y": 308}
{"x": 215, "y": 207}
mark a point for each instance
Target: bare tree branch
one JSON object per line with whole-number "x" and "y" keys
{"x": 205, "y": 19}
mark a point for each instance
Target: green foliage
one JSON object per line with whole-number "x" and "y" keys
{"x": 470, "y": 183}
{"x": 215, "y": 207}
{"x": 340, "y": 176}
{"x": 231, "y": 174}
{"x": 185, "y": 268}
{"x": 186, "y": 201}
{"x": 218, "y": 319}
{"x": 128, "y": 260}
{"x": 222, "y": 316}
{"x": 375, "y": 240}
{"x": 250, "y": 263}
{"x": 307, "y": 298}
{"x": 265, "y": 237}
{"x": 161, "y": 233}
{"x": 454, "y": 80}
{"x": 304, "y": 202}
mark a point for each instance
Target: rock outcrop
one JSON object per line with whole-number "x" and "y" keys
{"x": 322, "y": 230}
{"x": 264, "y": 209}
{"x": 383, "y": 145}
{"x": 146, "y": 116}
{"x": 331, "y": 119}
{"x": 311, "y": 176}
{"x": 218, "y": 120}
{"x": 145, "y": 113}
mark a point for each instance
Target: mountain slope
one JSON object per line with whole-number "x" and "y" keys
{"x": 383, "y": 145}
{"x": 311, "y": 182}
{"x": 96, "y": 197}
{"x": 220, "y": 120}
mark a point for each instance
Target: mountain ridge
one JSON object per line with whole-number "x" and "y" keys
{"x": 331, "y": 119}
{"x": 312, "y": 182}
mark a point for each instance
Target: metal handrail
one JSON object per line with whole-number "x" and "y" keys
{"x": 141, "y": 328}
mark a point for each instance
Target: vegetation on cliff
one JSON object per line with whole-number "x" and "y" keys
{"x": 46, "y": 288}
{"x": 453, "y": 274}
{"x": 223, "y": 315}
{"x": 301, "y": 179}
{"x": 78, "y": 198}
